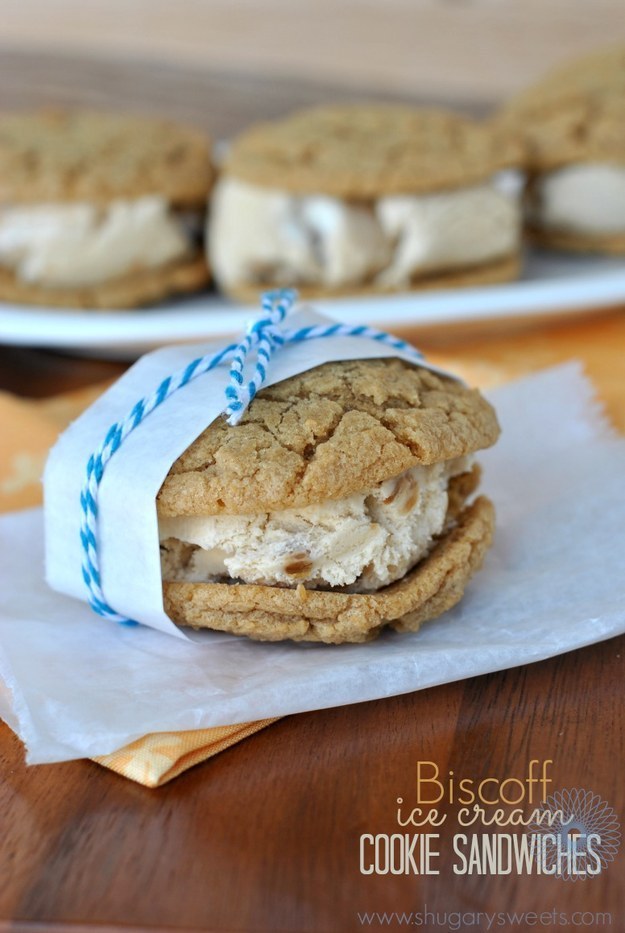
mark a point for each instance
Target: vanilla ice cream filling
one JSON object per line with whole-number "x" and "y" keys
{"x": 260, "y": 235}
{"x": 586, "y": 199}
{"x": 364, "y": 541}
{"x": 82, "y": 244}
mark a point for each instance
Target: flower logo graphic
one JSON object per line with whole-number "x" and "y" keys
{"x": 572, "y": 816}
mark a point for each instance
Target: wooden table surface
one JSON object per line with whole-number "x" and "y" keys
{"x": 264, "y": 837}
{"x": 470, "y": 50}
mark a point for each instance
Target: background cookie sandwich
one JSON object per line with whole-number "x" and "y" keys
{"x": 336, "y": 507}
{"x": 100, "y": 210}
{"x": 366, "y": 198}
{"x": 573, "y": 126}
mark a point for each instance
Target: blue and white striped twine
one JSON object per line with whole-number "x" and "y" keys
{"x": 262, "y": 337}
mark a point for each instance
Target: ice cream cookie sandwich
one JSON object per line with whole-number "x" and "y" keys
{"x": 573, "y": 127}
{"x": 100, "y": 210}
{"x": 353, "y": 199}
{"x": 336, "y": 507}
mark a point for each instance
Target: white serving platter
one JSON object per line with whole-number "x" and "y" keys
{"x": 553, "y": 285}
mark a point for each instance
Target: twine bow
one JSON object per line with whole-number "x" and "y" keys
{"x": 264, "y": 336}
{"x": 261, "y": 339}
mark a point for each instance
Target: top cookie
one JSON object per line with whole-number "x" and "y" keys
{"x": 364, "y": 152}
{"x": 54, "y": 156}
{"x": 325, "y": 434}
{"x": 600, "y": 71}
{"x": 575, "y": 114}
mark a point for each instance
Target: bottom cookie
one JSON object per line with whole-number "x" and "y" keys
{"x": 503, "y": 270}
{"x": 573, "y": 242}
{"x": 268, "y": 613}
{"x": 145, "y": 286}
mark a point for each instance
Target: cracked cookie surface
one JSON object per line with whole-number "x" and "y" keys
{"x": 575, "y": 114}
{"x": 368, "y": 151}
{"x": 597, "y": 72}
{"x": 324, "y": 434}
{"x": 560, "y": 239}
{"x": 61, "y": 156}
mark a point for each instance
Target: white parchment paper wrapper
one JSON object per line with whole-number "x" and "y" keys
{"x": 80, "y": 686}
{"x": 128, "y": 544}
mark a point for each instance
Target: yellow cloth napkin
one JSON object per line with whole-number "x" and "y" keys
{"x": 160, "y": 756}
{"x": 28, "y": 429}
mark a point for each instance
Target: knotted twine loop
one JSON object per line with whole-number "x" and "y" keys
{"x": 261, "y": 339}
{"x": 263, "y": 336}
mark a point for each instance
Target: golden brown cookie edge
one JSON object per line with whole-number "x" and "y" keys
{"x": 265, "y": 613}
{"x": 133, "y": 290}
{"x": 453, "y": 169}
{"x": 247, "y": 469}
{"x": 502, "y": 270}
{"x": 574, "y": 242}
{"x": 184, "y": 186}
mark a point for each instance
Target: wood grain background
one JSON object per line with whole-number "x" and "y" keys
{"x": 462, "y": 50}
{"x": 265, "y": 836}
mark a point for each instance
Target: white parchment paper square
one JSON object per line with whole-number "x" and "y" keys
{"x": 77, "y": 685}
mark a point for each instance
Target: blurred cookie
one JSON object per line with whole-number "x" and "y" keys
{"x": 337, "y": 506}
{"x": 100, "y": 209}
{"x": 355, "y": 199}
{"x": 572, "y": 124}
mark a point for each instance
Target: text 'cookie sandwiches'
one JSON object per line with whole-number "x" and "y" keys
{"x": 366, "y": 198}
{"x": 573, "y": 126}
{"x": 100, "y": 210}
{"x": 336, "y": 507}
